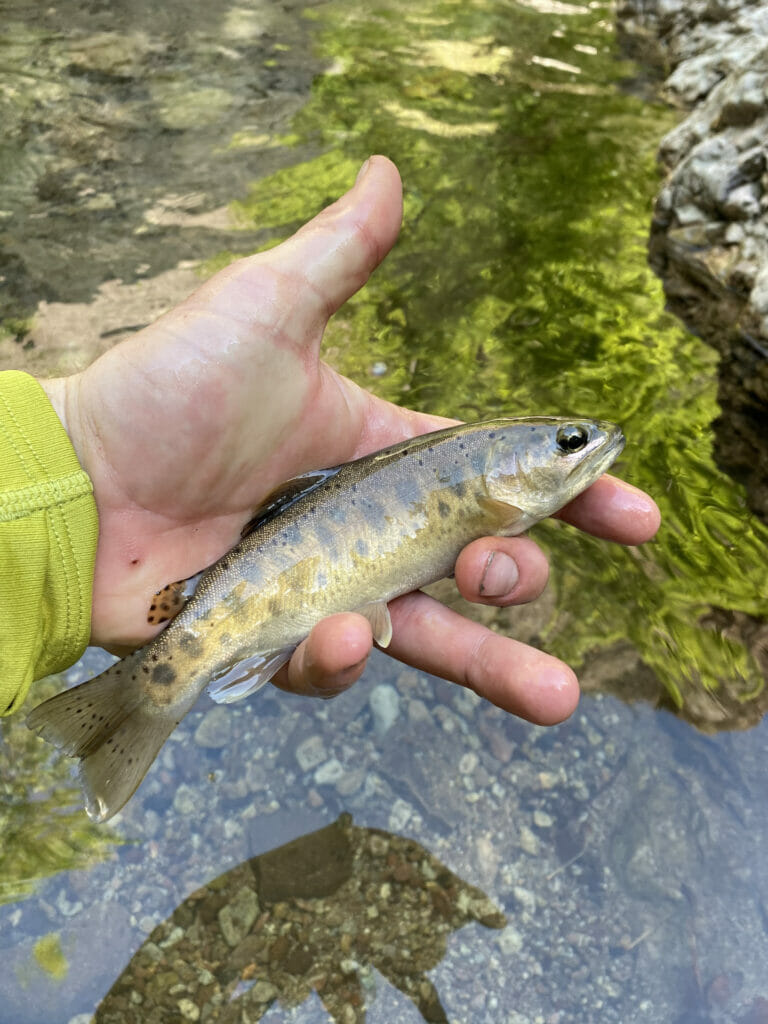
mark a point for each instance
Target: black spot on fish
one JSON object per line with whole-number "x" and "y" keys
{"x": 443, "y": 509}
{"x": 163, "y": 675}
{"x": 459, "y": 489}
{"x": 155, "y": 657}
{"x": 491, "y": 435}
{"x": 145, "y": 669}
{"x": 224, "y": 563}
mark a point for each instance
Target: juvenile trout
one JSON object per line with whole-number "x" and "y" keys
{"x": 349, "y": 538}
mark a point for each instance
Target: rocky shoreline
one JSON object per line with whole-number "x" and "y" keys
{"x": 709, "y": 232}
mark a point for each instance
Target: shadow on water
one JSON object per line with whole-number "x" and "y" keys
{"x": 315, "y": 915}
{"x": 625, "y": 851}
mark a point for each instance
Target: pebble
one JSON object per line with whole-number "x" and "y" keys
{"x": 215, "y": 730}
{"x": 329, "y": 773}
{"x": 188, "y": 801}
{"x": 236, "y": 917}
{"x": 510, "y": 940}
{"x": 311, "y": 752}
{"x": 263, "y": 992}
{"x": 400, "y": 815}
{"x": 528, "y": 841}
{"x": 543, "y": 820}
{"x": 188, "y": 1009}
{"x": 418, "y": 711}
{"x": 525, "y": 898}
{"x": 384, "y": 702}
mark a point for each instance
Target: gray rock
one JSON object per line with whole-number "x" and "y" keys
{"x": 215, "y": 730}
{"x": 385, "y": 707}
{"x": 236, "y": 917}
{"x": 310, "y": 753}
{"x": 709, "y": 236}
{"x": 188, "y": 801}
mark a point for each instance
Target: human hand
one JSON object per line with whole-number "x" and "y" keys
{"x": 186, "y": 426}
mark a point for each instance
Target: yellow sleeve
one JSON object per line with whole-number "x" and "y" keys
{"x": 48, "y": 535}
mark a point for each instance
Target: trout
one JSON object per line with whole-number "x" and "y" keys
{"x": 344, "y": 539}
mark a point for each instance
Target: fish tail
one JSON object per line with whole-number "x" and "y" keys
{"x": 106, "y": 723}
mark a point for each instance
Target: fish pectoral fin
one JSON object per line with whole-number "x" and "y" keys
{"x": 378, "y": 615}
{"x": 168, "y": 602}
{"x": 248, "y": 676}
{"x": 503, "y": 517}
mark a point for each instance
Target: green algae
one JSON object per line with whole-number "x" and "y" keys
{"x": 50, "y": 957}
{"x": 43, "y": 827}
{"x": 520, "y": 285}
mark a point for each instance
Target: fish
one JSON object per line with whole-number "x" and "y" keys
{"x": 348, "y": 538}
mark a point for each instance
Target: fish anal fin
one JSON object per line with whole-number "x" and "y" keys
{"x": 248, "y": 676}
{"x": 378, "y": 615}
{"x": 286, "y": 494}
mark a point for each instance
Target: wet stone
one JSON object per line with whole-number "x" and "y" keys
{"x": 188, "y": 801}
{"x": 215, "y": 730}
{"x": 263, "y": 992}
{"x": 385, "y": 707}
{"x": 237, "y": 917}
{"x": 329, "y": 773}
{"x": 310, "y": 753}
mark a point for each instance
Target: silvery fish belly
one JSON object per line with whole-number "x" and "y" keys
{"x": 349, "y": 538}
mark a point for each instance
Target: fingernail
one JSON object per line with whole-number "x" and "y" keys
{"x": 500, "y": 575}
{"x": 363, "y": 169}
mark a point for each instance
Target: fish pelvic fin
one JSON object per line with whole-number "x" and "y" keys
{"x": 378, "y": 615}
{"x": 248, "y": 676}
{"x": 105, "y": 723}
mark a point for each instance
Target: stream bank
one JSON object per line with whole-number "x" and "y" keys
{"x": 709, "y": 233}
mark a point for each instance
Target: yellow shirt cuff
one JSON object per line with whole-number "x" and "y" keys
{"x": 48, "y": 536}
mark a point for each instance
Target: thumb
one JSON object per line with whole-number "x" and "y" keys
{"x": 295, "y": 287}
{"x": 338, "y": 250}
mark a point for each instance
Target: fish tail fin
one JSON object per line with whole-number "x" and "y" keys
{"x": 105, "y": 723}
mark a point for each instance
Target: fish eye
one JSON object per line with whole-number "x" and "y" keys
{"x": 571, "y": 438}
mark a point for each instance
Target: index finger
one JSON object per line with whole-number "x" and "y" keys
{"x": 614, "y": 510}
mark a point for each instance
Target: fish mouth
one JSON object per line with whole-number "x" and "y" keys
{"x": 613, "y": 446}
{"x": 600, "y": 455}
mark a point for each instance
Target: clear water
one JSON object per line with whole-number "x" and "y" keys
{"x": 622, "y": 848}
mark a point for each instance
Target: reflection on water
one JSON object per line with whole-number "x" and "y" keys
{"x": 315, "y": 915}
{"x": 625, "y": 851}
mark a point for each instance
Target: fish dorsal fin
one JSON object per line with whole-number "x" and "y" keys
{"x": 285, "y": 494}
{"x": 377, "y": 614}
{"x": 168, "y": 602}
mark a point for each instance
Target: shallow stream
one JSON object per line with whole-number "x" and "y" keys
{"x": 610, "y": 869}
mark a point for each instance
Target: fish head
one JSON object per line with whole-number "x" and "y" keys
{"x": 538, "y": 464}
